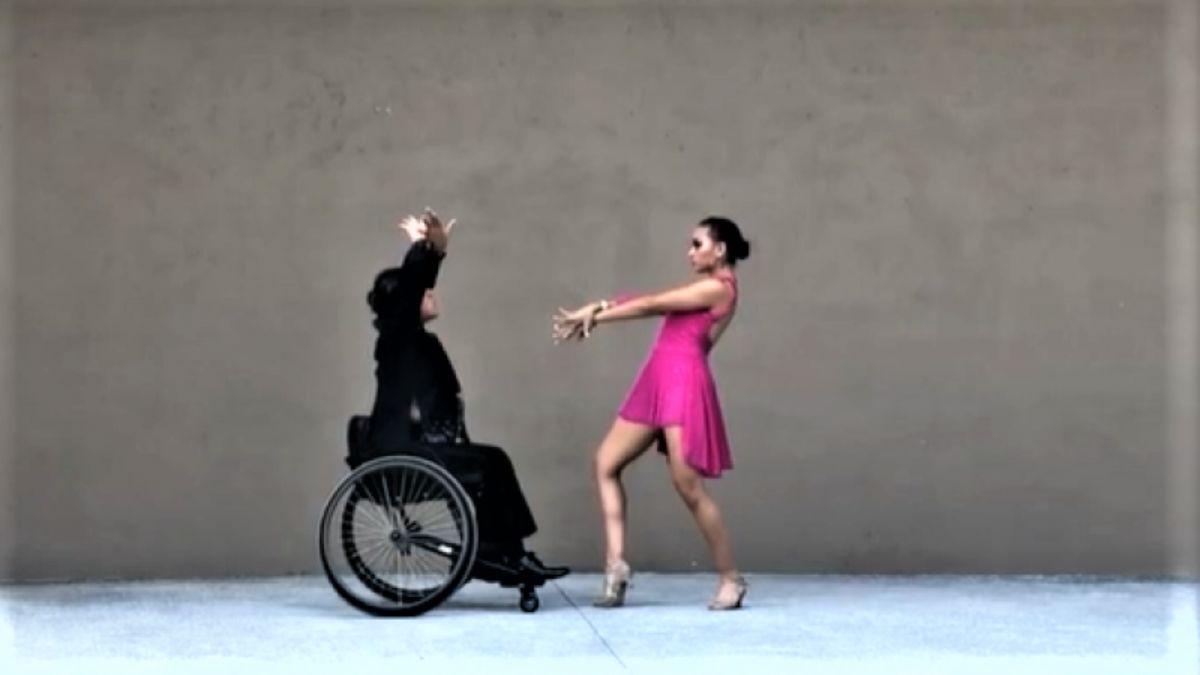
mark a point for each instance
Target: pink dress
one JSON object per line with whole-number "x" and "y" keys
{"x": 675, "y": 387}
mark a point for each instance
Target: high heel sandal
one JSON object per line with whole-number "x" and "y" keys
{"x": 616, "y": 581}
{"x": 717, "y": 603}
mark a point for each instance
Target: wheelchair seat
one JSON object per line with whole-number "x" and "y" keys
{"x": 358, "y": 442}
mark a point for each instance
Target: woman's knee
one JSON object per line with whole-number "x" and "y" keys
{"x": 603, "y": 469}
{"x": 689, "y": 489}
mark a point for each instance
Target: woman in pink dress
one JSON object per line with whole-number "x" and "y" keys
{"x": 673, "y": 400}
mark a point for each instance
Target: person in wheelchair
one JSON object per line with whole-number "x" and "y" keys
{"x": 418, "y": 407}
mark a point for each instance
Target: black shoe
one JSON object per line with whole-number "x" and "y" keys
{"x": 530, "y": 563}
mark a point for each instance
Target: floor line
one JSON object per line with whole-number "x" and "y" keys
{"x": 590, "y": 625}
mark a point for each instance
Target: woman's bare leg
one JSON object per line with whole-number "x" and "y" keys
{"x": 624, "y": 442}
{"x": 690, "y": 486}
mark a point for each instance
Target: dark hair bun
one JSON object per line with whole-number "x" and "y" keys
{"x": 727, "y": 232}
{"x": 739, "y": 250}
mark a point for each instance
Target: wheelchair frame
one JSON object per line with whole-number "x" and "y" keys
{"x": 399, "y": 535}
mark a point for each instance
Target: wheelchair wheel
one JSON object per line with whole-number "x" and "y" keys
{"x": 398, "y": 536}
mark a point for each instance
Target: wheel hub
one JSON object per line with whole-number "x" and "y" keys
{"x": 401, "y": 541}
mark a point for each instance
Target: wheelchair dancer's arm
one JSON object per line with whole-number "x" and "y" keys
{"x": 397, "y": 293}
{"x": 700, "y": 294}
{"x": 430, "y": 239}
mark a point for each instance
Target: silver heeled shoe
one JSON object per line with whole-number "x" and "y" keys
{"x": 717, "y": 604}
{"x": 616, "y": 581}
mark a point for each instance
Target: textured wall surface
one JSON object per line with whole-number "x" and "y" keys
{"x": 8, "y": 448}
{"x": 949, "y": 355}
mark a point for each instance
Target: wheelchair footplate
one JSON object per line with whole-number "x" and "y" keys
{"x": 511, "y": 577}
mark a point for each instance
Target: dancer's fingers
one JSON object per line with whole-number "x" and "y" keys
{"x": 411, "y": 224}
{"x": 410, "y": 227}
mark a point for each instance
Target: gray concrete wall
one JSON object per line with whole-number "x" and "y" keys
{"x": 950, "y": 354}
{"x": 8, "y": 530}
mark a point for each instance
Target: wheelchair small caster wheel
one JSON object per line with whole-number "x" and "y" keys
{"x": 529, "y": 602}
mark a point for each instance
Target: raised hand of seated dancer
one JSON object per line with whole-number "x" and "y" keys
{"x": 428, "y": 227}
{"x": 414, "y": 227}
{"x": 437, "y": 232}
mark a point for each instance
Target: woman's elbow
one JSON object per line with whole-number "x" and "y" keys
{"x": 649, "y": 307}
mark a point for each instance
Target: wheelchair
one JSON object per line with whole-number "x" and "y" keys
{"x": 399, "y": 535}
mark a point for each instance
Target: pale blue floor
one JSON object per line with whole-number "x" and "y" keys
{"x": 792, "y": 624}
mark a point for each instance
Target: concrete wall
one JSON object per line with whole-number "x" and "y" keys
{"x": 8, "y": 530}
{"x": 950, "y": 355}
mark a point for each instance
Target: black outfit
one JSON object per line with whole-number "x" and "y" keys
{"x": 418, "y": 406}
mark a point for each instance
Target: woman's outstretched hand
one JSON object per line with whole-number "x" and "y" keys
{"x": 574, "y": 324}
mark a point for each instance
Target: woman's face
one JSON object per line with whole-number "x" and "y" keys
{"x": 430, "y": 307}
{"x": 704, "y": 254}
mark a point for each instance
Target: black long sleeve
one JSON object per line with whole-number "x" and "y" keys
{"x": 397, "y": 292}
{"x": 411, "y": 366}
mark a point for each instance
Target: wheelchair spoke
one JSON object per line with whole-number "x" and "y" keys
{"x": 414, "y": 570}
{"x": 418, "y": 487}
{"x": 378, "y": 519}
{"x": 375, "y": 546}
{"x": 377, "y": 555}
{"x": 400, "y": 561}
{"x": 418, "y": 560}
{"x": 427, "y": 568}
{"x": 442, "y": 524}
{"x": 370, "y": 549}
{"x": 387, "y": 503}
{"x": 446, "y": 522}
{"x": 372, "y": 536}
{"x": 406, "y": 487}
{"x": 437, "y": 533}
{"x": 389, "y": 570}
{"x": 373, "y": 556}
{"x": 375, "y": 522}
{"x": 426, "y": 487}
{"x": 354, "y": 503}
